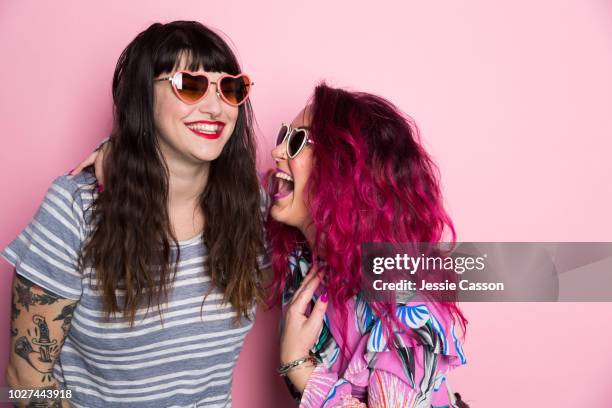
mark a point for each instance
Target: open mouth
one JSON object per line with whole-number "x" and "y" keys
{"x": 281, "y": 185}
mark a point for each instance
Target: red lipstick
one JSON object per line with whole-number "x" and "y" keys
{"x": 199, "y": 131}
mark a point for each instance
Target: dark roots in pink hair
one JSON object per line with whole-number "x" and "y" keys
{"x": 371, "y": 181}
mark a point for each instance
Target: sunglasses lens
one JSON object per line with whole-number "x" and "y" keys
{"x": 295, "y": 142}
{"x": 235, "y": 90}
{"x": 281, "y": 134}
{"x": 190, "y": 87}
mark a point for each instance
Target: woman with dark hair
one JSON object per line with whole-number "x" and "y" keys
{"x": 141, "y": 292}
{"x": 350, "y": 170}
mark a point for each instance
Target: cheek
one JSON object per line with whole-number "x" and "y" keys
{"x": 157, "y": 112}
{"x": 168, "y": 112}
{"x": 301, "y": 170}
{"x": 231, "y": 119}
{"x": 233, "y": 113}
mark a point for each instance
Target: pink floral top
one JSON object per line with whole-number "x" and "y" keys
{"x": 401, "y": 372}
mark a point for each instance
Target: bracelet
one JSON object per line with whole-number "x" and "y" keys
{"x": 285, "y": 368}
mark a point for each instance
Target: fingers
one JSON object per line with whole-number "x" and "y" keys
{"x": 303, "y": 298}
{"x": 311, "y": 273}
{"x": 99, "y": 164}
{"x": 87, "y": 162}
{"x": 315, "y": 320}
{"x": 305, "y": 282}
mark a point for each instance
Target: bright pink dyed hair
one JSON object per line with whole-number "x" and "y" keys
{"x": 371, "y": 181}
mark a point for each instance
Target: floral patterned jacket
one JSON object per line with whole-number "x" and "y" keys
{"x": 381, "y": 372}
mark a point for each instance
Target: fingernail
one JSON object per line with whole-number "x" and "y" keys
{"x": 324, "y": 297}
{"x": 100, "y": 188}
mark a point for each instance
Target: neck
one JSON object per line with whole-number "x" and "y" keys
{"x": 186, "y": 178}
{"x": 186, "y": 183}
{"x": 309, "y": 232}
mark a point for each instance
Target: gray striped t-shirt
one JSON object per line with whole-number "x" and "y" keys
{"x": 187, "y": 362}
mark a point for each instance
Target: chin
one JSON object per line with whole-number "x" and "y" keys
{"x": 208, "y": 154}
{"x": 278, "y": 215}
{"x": 289, "y": 216}
{"x": 207, "y": 158}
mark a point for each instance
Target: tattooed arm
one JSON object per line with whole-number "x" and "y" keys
{"x": 40, "y": 321}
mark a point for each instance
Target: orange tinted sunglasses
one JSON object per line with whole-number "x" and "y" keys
{"x": 192, "y": 88}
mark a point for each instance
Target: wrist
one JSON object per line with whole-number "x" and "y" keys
{"x": 291, "y": 356}
{"x": 300, "y": 363}
{"x": 299, "y": 378}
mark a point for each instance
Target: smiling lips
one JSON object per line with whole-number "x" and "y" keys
{"x": 283, "y": 184}
{"x": 206, "y": 128}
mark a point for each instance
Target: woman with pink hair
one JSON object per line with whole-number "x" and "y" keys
{"x": 350, "y": 170}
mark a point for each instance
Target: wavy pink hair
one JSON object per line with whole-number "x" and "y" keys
{"x": 371, "y": 181}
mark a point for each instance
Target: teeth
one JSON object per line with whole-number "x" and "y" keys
{"x": 204, "y": 127}
{"x": 283, "y": 176}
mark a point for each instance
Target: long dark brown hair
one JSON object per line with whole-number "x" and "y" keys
{"x": 131, "y": 244}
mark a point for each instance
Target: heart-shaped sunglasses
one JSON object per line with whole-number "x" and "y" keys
{"x": 191, "y": 88}
{"x": 296, "y": 139}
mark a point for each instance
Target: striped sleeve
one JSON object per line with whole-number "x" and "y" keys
{"x": 46, "y": 251}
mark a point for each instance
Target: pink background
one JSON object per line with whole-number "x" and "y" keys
{"x": 513, "y": 99}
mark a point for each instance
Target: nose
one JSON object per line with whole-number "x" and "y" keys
{"x": 280, "y": 152}
{"x": 212, "y": 102}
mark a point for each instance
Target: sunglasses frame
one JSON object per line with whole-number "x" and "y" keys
{"x": 216, "y": 83}
{"x": 290, "y": 133}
